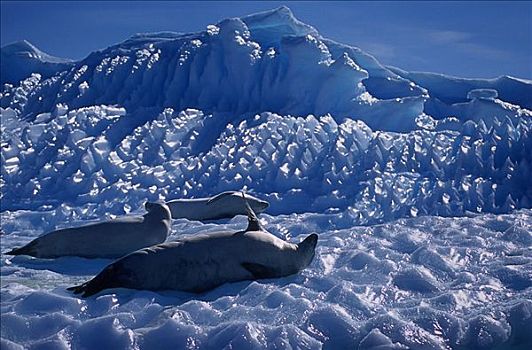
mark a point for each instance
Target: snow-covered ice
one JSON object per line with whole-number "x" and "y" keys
{"x": 418, "y": 185}
{"x": 426, "y": 282}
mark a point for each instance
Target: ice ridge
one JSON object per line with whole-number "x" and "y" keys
{"x": 299, "y": 164}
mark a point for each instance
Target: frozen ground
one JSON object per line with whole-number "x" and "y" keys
{"x": 417, "y": 184}
{"x": 421, "y": 283}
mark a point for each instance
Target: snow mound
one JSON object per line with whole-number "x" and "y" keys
{"x": 20, "y": 59}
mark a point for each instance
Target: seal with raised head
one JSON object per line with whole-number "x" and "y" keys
{"x": 222, "y": 206}
{"x": 108, "y": 239}
{"x": 205, "y": 261}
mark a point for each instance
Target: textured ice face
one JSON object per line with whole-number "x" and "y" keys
{"x": 212, "y": 71}
{"x": 94, "y": 158}
{"x": 109, "y": 158}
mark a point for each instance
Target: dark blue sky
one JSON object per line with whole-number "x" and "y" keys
{"x": 468, "y": 39}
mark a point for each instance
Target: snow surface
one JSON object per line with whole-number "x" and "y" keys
{"x": 418, "y": 185}
{"x": 419, "y": 283}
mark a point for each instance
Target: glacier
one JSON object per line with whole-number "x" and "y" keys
{"x": 417, "y": 183}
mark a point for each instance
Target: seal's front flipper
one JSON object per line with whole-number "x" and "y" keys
{"x": 253, "y": 220}
{"x": 260, "y": 271}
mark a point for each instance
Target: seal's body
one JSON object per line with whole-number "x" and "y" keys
{"x": 222, "y": 206}
{"x": 109, "y": 239}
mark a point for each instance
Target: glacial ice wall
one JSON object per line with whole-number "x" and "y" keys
{"x": 329, "y": 136}
{"x": 263, "y": 62}
{"x": 262, "y": 102}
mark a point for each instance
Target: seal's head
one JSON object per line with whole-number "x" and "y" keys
{"x": 306, "y": 249}
{"x": 157, "y": 211}
{"x": 258, "y": 205}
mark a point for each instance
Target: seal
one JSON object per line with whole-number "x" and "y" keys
{"x": 222, "y": 206}
{"x": 205, "y": 261}
{"x": 109, "y": 239}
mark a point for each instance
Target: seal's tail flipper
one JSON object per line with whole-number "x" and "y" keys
{"x": 28, "y": 249}
{"x": 88, "y": 288}
{"x": 104, "y": 280}
{"x": 78, "y": 289}
{"x": 16, "y": 251}
{"x": 253, "y": 220}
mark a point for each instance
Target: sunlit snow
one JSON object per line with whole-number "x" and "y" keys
{"x": 417, "y": 184}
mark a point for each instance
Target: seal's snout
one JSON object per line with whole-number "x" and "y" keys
{"x": 263, "y": 205}
{"x": 156, "y": 209}
{"x": 149, "y": 206}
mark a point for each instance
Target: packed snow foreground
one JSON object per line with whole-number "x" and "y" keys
{"x": 417, "y": 184}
